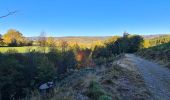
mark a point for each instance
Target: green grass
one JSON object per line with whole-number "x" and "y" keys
{"x": 23, "y": 49}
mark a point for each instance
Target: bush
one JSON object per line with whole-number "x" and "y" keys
{"x": 101, "y": 52}
{"x": 21, "y": 73}
{"x": 83, "y": 58}
{"x": 66, "y": 62}
{"x": 45, "y": 70}
{"x": 13, "y": 80}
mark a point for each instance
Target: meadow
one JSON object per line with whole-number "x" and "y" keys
{"x": 22, "y": 49}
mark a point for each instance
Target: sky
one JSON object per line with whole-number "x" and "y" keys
{"x": 86, "y": 17}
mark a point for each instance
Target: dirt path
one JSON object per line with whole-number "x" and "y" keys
{"x": 156, "y": 77}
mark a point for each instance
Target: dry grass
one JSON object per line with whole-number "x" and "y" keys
{"x": 110, "y": 82}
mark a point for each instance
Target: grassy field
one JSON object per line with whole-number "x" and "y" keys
{"x": 23, "y": 49}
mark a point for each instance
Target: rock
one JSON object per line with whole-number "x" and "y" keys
{"x": 46, "y": 86}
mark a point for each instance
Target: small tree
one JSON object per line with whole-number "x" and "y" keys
{"x": 64, "y": 46}
{"x": 51, "y": 42}
{"x": 1, "y": 41}
{"x": 42, "y": 41}
{"x": 136, "y": 43}
{"x": 13, "y": 38}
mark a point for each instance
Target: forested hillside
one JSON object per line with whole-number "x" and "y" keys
{"x": 157, "y": 49}
{"x": 156, "y": 41}
{"x": 160, "y": 53}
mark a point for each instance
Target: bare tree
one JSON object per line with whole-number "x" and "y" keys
{"x": 64, "y": 45}
{"x": 43, "y": 41}
{"x": 8, "y": 14}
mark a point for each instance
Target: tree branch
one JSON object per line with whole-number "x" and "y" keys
{"x": 8, "y": 14}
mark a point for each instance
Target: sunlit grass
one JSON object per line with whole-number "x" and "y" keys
{"x": 23, "y": 49}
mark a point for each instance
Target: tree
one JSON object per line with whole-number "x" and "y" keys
{"x": 42, "y": 41}
{"x": 84, "y": 58}
{"x": 146, "y": 43}
{"x": 75, "y": 48}
{"x": 64, "y": 46}
{"x": 51, "y": 42}
{"x": 112, "y": 44}
{"x": 129, "y": 44}
{"x": 136, "y": 43}
{"x": 116, "y": 45}
{"x": 13, "y": 38}
{"x": 1, "y": 41}
{"x": 100, "y": 51}
{"x": 125, "y": 34}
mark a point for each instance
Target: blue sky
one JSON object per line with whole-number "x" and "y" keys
{"x": 86, "y": 17}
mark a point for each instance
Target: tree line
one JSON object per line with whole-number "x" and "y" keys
{"x": 117, "y": 45}
{"x": 156, "y": 41}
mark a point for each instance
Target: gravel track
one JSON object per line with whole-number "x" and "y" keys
{"x": 156, "y": 77}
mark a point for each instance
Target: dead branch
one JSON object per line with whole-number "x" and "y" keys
{"x": 8, "y": 14}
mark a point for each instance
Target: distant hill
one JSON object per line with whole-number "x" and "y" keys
{"x": 83, "y": 39}
{"x": 89, "y": 39}
{"x": 154, "y": 36}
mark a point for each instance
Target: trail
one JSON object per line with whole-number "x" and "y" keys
{"x": 156, "y": 77}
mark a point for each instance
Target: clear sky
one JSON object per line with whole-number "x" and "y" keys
{"x": 86, "y": 17}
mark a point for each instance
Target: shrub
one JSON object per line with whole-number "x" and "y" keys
{"x": 100, "y": 52}
{"x": 12, "y": 78}
{"x": 83, "y": 57}
{"x": 45, "y": 70}
{"x": 66, "y": 62}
